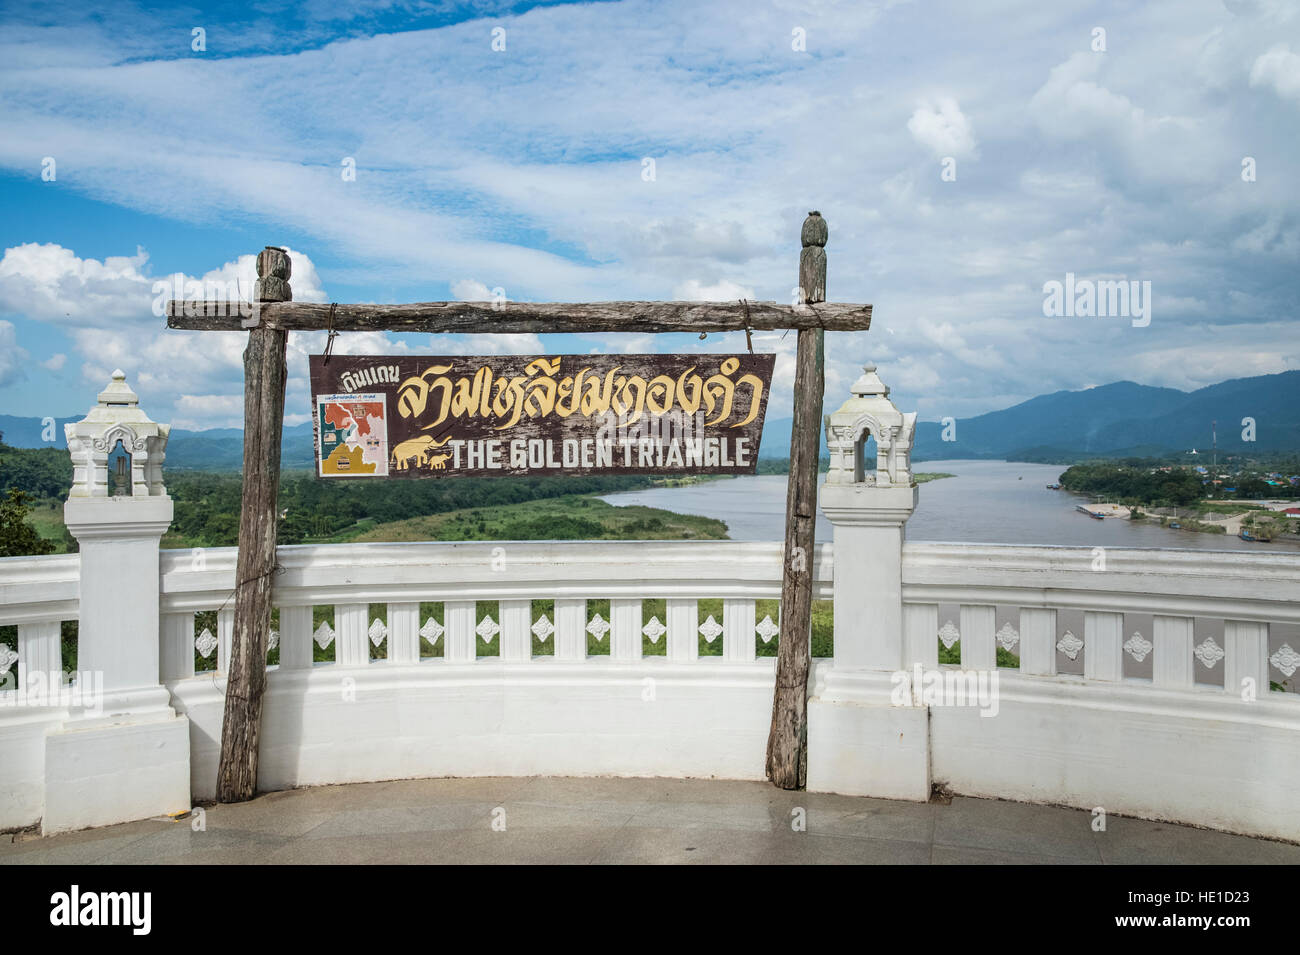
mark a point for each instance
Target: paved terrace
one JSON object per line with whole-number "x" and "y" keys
{"x": 605, "y": 820}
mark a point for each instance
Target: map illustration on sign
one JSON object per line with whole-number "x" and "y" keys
{"x": 352, "y": 435}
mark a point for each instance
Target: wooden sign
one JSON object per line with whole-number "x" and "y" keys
{"x": 435, "y": 416}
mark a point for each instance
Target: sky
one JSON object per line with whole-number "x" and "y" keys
{"x": 964, "y": 155}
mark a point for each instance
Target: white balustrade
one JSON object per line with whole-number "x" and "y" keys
{"x": 1038, "y": 641}
{"x": 36, "y": 595}
{"x": 1244, "y": 591}
{"x": 295, "y": 637}
{"x": 683, "y": 623}
{"x": 39, "y": 653}
{"x": 571, "y": 575}
{"x": 570, "y": 628}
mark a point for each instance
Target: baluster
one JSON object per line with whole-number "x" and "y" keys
{"x": 570, "y": 628}
{"x": 683, "y": 636}
{"x": 516, "y": 638}
{"x": 225, "y": 634}
{"x": 1038, "y": 641}
{"x": 295, "y": 638}
{"x": 1246, "y": 656}
{"x": 978, "y": 629}
{"x": 458, "y": 616}
{"x": 1172, "y": 661}
{"x": 176, "y": 654}
{"x": 625, "y": 633}
{"x": 738, "y": 622}
{"x": 920, "y": 624}
{"x": 404, "y": 633}
{"x": 39, "y": 653}
{"x": 1103, "y": 645}
{"x": 351, "y": 642}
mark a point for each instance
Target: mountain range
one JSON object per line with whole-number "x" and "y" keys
{"x": 1120, "y": 419}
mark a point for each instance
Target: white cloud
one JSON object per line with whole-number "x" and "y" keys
{"x": 487, "y": 344}
{"x": 50, "y": 283}
{"x": 470, "y": 290}
{"x": 106, "y": 307}
{"x": 723, "y": 290}
{"x": 1071, "y": 105}
{"x": 942, "y": 128}
{"x": 1280, "y": 69}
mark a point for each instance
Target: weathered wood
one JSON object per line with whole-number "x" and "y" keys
{"x": 812, "y": 259}
{"x": 264, "y": 381}
{"x": 787, "y": 741}
{"x": 528, "y": 317}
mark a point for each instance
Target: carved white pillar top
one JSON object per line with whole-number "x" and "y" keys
{"x": 869, "y": 383}
{"x": 118, "y": 419}
{"x": 870, "y": 414}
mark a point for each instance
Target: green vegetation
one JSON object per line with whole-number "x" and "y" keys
{"x": 315, "y": 511}
{"x": 18, "y": 537}
{"x": 1135, "y": 485}
{"x": 952, "y": 655}
{"x": 573, "y": 517}
{"x": 1191, "y": 497}
{"x": 45, "y": 474}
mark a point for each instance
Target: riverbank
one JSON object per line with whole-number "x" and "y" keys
{"x": 1262, "y": 519}
{"x": 996, "y": 502}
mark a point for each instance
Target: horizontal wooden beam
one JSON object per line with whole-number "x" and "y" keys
{"x": 522, "y": 317}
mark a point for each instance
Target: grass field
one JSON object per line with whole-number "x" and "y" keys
{"x": 48, "y": 521}
{"x": 572, "y": 517}
{"x": 559, "y": 518}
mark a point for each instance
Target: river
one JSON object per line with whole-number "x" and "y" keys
{"x": 996, "y": 502}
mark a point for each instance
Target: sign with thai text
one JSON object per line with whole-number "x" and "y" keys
{"x": 432, "y": 416}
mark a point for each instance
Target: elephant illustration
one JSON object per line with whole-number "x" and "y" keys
{"x": 439, "y": 461}
{"x": 415, "y": 449}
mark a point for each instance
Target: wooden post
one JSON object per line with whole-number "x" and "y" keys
{"x": 787, "y": 741}
{"x": 264, "y": 380}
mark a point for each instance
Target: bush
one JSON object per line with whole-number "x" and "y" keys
{"x": 552, "y": 528}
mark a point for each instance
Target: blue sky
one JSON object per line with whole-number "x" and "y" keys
{"x": 523, "y": 168}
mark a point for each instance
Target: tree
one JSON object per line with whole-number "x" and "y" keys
{"x": 17, "y": 537}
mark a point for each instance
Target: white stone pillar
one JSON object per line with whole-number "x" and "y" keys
{"x": 125, "y": 755}
{"x": 118, "y": 632}
{"x": 868, "y": 549}
{"x": 864, "y": 736}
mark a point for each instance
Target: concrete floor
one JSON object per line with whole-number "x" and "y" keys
{"x": 554, "y": 820}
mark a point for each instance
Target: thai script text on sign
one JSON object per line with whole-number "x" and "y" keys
{"x": 425, "y": 416}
